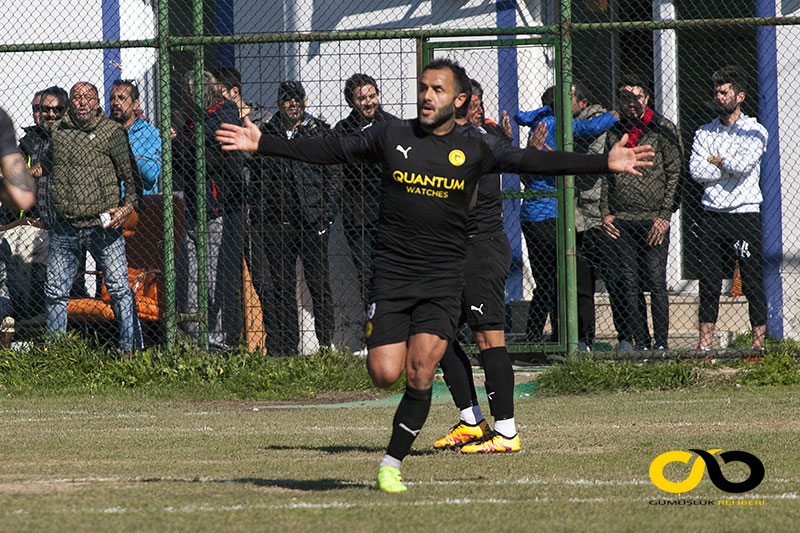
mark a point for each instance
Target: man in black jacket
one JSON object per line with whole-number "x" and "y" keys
{"x": 293, "y": 207}
{"x": 361, "y": 183}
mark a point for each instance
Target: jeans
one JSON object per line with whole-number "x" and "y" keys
{"x": 638, "y": 267}
{"x": 541, "y": 240}
{"x": 362, "y": 245}
{"x": 108, "y": 247}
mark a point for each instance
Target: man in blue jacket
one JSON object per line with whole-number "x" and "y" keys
{"x": 144, "y": 138}
{"x": 539, "y": 215}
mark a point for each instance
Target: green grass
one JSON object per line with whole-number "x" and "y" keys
{"x": 122, "y": 461}
{"x": 75, "y": 364}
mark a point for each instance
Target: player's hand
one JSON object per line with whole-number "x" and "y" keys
{"x": 505, "y": 123}
{"x": 609, "y": 227}
{"x": 716, "y": 160}
{"x": 623, "y": 159}
{"x": 657, "y": 231}
{"x": 244, "y": 139}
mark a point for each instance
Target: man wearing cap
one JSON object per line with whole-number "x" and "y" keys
{"x": 296, "y": 207}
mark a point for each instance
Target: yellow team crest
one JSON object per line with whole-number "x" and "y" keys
{"x": 368, "y": 329}
{"x": 456, "y": 158}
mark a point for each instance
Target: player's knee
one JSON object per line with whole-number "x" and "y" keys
{"x": 382, "y": 375}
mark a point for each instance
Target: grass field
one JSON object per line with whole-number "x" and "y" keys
{"x": 128, "y": 462}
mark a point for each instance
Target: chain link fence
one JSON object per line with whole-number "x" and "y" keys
{"x": 226, "y": 249}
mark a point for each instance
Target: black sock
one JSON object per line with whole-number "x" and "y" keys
{"x": 499, "y": 382}
{"x": 408, "y": 421}
{"x": 457, "y": 374}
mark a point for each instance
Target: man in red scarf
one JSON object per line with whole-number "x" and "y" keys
{"x": 636, "y": 217}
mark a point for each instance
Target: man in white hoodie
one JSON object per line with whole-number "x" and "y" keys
{"x": 726, "y": 159}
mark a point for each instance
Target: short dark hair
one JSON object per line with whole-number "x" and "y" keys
{"x": 730, "y": 74}
{"x": 631, "y": 80}
{"x": 461, "y": 112}
{"x": 580, "y": 91}
{"x": 37, "y": 94}
{"x": 354, "y": 82}
{"x": 291, "y": 89}
{"x": 462, "y": 80}
{"x": 130, "y": 84}
{"x": 56, "y": 91}
{"x": 229, "y": 77}
{"x": 549, "y": 97}
{"x": 477, "y": 90}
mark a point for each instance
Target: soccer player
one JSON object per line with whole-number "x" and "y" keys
{"x": 430, "y": 172}
{"x": 488, "y": 258}
{"x": 17, "y": 188}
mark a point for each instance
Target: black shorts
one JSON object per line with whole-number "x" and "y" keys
{"x": 485, "y": 273}
{"x": 392, "y": 319}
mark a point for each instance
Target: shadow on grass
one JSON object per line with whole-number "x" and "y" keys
{"x": 292, "y": 484}
{"x": 334, "y": 449}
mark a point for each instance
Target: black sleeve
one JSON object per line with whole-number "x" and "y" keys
{"x": 8, "y": 142}
{"x": 363, "y": 146}
{"x": 507, "y": 158}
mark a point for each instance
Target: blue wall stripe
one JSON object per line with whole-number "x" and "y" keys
{"x": 112, "y": 57}
{"x": 771, "y": 209}
{"x": 508, "y": 99}
{"x": 223, "y": 22}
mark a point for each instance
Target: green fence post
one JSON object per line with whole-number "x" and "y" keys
{"x": 200, "y": 175}
{"x": 566, "y": 206}
{"x": 165, "y": 97}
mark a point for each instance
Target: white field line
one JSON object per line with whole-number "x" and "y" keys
{"x": 356, "y": 483}
{"x": 206, "y": 508}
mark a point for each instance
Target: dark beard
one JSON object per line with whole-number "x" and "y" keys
{"x": 446, "y": 113}
{"x": 723, "y": 110}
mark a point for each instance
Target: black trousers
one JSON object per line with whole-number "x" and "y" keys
{"x": 541, "y": 240}
{"x": 274, "y": 250}
{"x": 729, "y": 236}
{"x": 361, "y": 240}
{"x": 633, "y": 267}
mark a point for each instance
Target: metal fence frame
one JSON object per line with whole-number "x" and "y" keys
{"x": 559, "y": 34}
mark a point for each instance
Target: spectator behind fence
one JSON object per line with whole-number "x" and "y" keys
{"x": 539, "y": 216}
{"x": 89, "y": 163}
{"x": 476, "y": 114}
{"x": 224, "y": 207}
{"x": 361, "y": 182}
{"x": 726, "y": 160}
{"x": 636, "y": 217}
{"x": 144, "y": 138}
{"x": 297, "y": 205}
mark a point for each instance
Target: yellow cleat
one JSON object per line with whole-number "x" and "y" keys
{"x": 494, "y": 443}
{"x": 389, "y": 480}
{"x": 461, "y": 434}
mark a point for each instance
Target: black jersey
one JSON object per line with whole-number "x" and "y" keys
{"x": 8, "y": 142}
{"x": 486, "y": 216}
{"x": 427, "y": 183}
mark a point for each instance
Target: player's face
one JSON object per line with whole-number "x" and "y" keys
{"x": 726, "y": 99}
{"x": 436, "y": 101}
{"x": 83, "y": 102}
{"x": 365, "y": 99}
{"x": 122, "y": 104}
{"x": 475, "y": 111}
{"x": 292, "y": 108}
{"x": 51, "y": 112}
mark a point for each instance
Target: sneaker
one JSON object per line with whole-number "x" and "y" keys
{"x": 494, "y": 443}
{"x": 703, "y": 348}
{"x": 583, "y": 347}
{"x": 389, "y": 480}
{"x": 7, "y": 329}
{"x": 461, "y": 434}
{"x": 624, "y": 346}
{"x": 662, "y": 347}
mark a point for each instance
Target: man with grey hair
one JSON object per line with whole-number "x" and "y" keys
{"x": 90, "y": 163}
